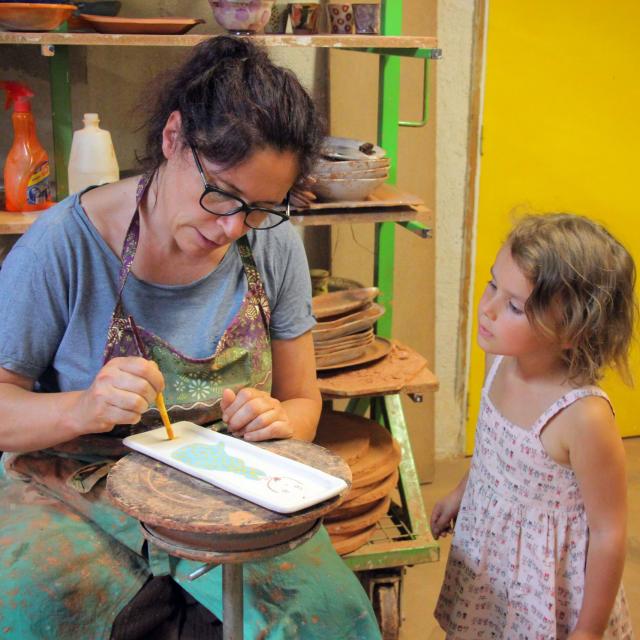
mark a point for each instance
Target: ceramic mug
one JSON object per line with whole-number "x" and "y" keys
{"x": 304, "y": 17}
{"x": 367, "y": 17}
{"x": 319, "y": 281}
{"x": 278, "y": 20}
{"x": 340, "y": 17}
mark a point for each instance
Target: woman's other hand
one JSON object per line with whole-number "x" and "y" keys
{"x": 121, "y": 392}
{"x": 255, "y": 415}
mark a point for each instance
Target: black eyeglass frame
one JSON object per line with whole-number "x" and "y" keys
{"x": 244, "y": 206}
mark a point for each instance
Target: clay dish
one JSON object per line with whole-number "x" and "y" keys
{"x": 342, "y": 355}
{"x": 322, "y": 165}
{"x": 347, "y": 328}
{"x": 160, "y": 26}
{"x": 335, "y": 322}
{"x": 348, "y": 543}
{"x": 347, "y": 189}
{"x": 344, "y": 434}
{"x": 378, "y": 349}
{"x": 349, "y": 149}
{"x": 332, "y": 304}
{"x": 361, "y": 521}
{"x": 362, "y": 338}
{"x": 32, "y": 16}
{"x": 358, "y": 174}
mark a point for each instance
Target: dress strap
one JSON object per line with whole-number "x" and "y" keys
{"x": 566, "y": 400}
{"x": 495, "y": 365}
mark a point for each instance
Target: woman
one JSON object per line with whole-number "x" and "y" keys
{"x": 199, "y": 252}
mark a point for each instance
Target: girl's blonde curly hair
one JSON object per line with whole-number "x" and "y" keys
{"x": 583, "y": 291}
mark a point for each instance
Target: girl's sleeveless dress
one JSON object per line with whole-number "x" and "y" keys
{"x": 517, "y": 562}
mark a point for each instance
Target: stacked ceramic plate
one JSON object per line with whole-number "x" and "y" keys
{"x": 373, "y": 457}
{"x": 344, "y": 332}
{"x": 348, "y": 170}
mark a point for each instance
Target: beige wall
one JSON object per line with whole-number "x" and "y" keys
{"x": 110, "y": 79}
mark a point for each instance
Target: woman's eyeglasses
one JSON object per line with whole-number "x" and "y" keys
{"x": 255, "y": 216}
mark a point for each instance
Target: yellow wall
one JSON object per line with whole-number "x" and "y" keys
{"x": 561, "y": 132}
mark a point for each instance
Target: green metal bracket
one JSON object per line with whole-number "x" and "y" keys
{"x": 358, "y": 406}
{"x": 415, "y": 514}
{"x": 425, "y": 100}
{"x": 61, "y": 117}
{"x": 429, "y": 54}
{"x": 416, "y": 227}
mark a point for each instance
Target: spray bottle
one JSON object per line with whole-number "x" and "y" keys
{"x": 26, "y": 170}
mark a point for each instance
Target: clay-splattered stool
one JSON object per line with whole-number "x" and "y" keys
{"x": 189, "y": 518}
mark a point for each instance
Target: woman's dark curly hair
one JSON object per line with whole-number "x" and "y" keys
{"x": 234, "y": 101}
{"x": 583, "y": 290}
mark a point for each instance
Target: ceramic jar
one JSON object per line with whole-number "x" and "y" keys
{"x": 367, "y": 17}
{"x": 278, "y": 20}
{"x": 304, "y": 17}
{"x": 340, "y": 17}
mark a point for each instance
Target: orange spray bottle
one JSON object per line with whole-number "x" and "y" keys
{"x": 26, "y": 170}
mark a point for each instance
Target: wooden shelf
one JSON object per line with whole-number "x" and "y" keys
{"x": 189, "y": 40}
{"x": 16, "y": 223}
{"x": 386, "y": 204}
{"x": 403, "y": 370}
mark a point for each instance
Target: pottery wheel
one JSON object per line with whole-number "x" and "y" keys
{"x": 189, "y": 512}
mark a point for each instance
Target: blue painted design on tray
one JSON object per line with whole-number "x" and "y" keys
{"x": 213, "y": 457}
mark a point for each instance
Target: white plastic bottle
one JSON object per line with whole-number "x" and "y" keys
{"x": 92, "y": 160}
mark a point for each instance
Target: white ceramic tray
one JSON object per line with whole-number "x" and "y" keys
{"x": 239, "y": 467}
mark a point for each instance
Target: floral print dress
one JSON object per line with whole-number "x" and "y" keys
{"x": 517, "y": 563}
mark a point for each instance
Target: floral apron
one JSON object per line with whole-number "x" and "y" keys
{"x": 70, "y": 561}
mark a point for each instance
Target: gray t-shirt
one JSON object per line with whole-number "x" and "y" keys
{"x": 59, "y": 283}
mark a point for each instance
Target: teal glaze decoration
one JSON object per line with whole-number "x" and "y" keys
{"x": 213, "y": 457}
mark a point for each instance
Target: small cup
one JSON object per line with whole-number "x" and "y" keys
{"x": 304, "y": 17}
{"x": 340, "y": 17}
{"x": 367, "y": 17}
{"x": 278, "y": 20}
{"x": 319, "y": 281}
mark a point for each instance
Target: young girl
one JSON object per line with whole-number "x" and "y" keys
{"x": 540, "y": 519}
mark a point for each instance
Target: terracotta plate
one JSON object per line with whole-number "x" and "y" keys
{"x": 28, "y": 16}
{"x": 348, "y": 326}
{"x": 339, "y": 356}
{"x": 350, "y": 542}
{"x": 344, "y": 434}
{"x": 333, "y": 304}
{"x": 163, "y": 26}
{"x": 378, "y": 349}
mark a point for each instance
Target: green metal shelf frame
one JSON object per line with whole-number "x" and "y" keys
{"x": 413, "y": 543}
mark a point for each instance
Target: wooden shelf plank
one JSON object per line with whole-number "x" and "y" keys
{"x": 350, "y": 216}
{"x": 189, "y": 40}
{"x": 402, "y": 370}
{"x": 16, "y": 223}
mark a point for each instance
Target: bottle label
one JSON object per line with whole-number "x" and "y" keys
{"x": 38, "y": 185}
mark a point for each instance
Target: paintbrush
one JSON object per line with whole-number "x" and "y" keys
{"x": 159, "y": 397}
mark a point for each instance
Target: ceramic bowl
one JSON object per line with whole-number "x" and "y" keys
{"x": 334, "y": 173}
{"x": 344, "y": 166}
{"x": 242, "y": 16}
{"x": 27, "y": 16}
{"x": 349, "y": 190}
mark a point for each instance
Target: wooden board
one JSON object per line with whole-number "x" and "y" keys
{"x": 164, "y": 497}
{"x": 387, "y": 195}
{"x": 386, "y": 376}
{"x": 321, "y": 40}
